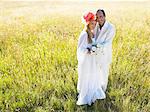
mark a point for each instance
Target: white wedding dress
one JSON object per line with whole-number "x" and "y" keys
{"x": 93, "y": 70}
{"x": 90, "y": 78}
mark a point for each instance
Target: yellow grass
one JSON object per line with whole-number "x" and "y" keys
{"x": 38, "y": 65}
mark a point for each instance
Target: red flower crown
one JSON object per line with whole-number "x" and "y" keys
{"x": 88, "y": 17}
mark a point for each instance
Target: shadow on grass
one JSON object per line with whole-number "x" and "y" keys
{"x": 103, "y": 105}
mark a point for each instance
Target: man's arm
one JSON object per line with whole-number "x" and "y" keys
{"x": 109, "y": 37}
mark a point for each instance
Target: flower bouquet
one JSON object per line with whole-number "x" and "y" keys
{"x": 96, "y": 48}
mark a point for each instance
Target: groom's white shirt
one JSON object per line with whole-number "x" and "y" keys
{"x": 105, "y": 37}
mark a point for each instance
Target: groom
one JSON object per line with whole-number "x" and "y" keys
{"x": 105, "y": 33}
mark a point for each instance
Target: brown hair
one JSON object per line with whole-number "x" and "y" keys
{"x": 90, "y": 35}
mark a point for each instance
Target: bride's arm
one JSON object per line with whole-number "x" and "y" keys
{"x": 82, "y": 43}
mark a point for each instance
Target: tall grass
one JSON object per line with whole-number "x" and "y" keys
{"x": 38, "y": 65}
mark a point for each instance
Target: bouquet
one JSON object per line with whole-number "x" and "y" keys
{"x": 96, "y": 48}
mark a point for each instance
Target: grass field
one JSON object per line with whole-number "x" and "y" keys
{"x": 38, "y": 65}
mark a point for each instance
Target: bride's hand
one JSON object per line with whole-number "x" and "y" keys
{"x": 88, "y": 52}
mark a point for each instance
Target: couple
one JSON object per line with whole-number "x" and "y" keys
{"x": 93, "y": 64}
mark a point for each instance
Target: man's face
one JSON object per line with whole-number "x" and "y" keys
{"x": 100, "y": 18}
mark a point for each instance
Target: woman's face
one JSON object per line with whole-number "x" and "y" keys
{"x": 92, "y": 24}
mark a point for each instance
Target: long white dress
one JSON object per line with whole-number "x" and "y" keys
{"x": 93, "y": 70}
{"x": 89, "y": 74}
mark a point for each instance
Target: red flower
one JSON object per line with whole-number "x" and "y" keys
{"x": 89, "y": 16}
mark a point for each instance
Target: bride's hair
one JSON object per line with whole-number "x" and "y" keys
{"x": 90, "y": 35}
{"x": 86, "y": 19}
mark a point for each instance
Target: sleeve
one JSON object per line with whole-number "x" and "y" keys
{"x": 106, "y": 51}
{"x": 109, "y": 37}
{"x": 82, "y": 43}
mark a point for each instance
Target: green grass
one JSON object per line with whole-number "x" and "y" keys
{"x": 38, "y": 65}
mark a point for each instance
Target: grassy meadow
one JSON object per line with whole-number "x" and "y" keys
{"x": 38, "y": 65}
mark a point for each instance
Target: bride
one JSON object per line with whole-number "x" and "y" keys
{"x": 93, "y": 59}
{"x": 89, "y": 72}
